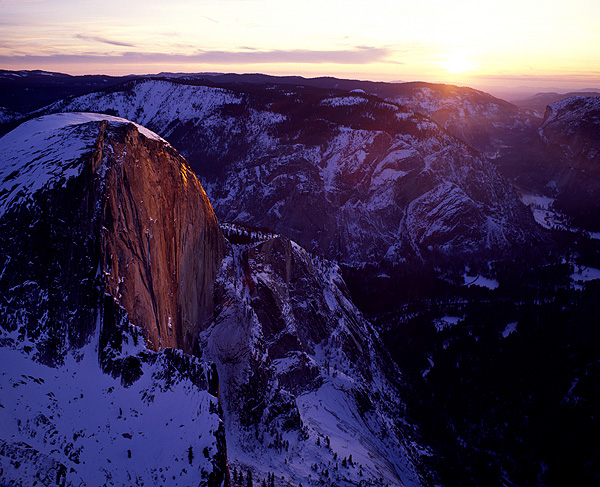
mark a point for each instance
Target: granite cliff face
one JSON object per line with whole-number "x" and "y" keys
{"x": 136, "y": 208}
{"x": 161, "y": 242}
{"x": 109, "y": 251}
{"x": 116, "y": 274}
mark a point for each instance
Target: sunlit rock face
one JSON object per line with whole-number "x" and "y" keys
{"x": 93, "y": 206}
{"x": 161, "y": 243}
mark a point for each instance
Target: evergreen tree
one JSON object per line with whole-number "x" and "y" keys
{"x": 190, "y": 454}
{"x": 249, "y": 479}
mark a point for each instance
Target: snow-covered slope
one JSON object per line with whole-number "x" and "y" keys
{"x": 489, "y": 124}
{"x": 540, "y": 101}
{"x": 157, "y": 104}
{"x": 350, "y": 176}
{"x": 75, "y": 425}
{"x": 306, "y": 382}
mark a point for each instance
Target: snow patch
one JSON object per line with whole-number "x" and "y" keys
{"x": 510, "y": 328}
{"x": 446, "y": 322}
{"x": 340, "y": 101}
{"x": 480, "y": 281}
{"x": 583, "y": 275}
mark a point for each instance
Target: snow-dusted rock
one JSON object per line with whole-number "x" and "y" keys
{"x": 306, "y": 381}
{"x": 568, "y": 151}
{"x": 110, "y": 254}
{"x": 90, "y": 292}
{"x": 134, "y": 201}
{"x": 485, "y": 122}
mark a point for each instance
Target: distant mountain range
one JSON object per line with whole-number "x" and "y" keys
{"x": 540, "y": 101}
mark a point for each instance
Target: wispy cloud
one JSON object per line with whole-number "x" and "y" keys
{"x": 103, "y": 40}
{"x": 356, "y": 55}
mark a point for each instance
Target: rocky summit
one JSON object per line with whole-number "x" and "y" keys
{"x": 88, "y": 280}
{"x": 121, "y": 292}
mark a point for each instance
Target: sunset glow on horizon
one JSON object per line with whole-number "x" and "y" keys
{"x": 526, "y": 42}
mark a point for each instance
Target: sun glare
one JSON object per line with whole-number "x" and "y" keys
{"x": 457, "y": 63}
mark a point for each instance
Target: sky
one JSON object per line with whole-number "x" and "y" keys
{"x": 549, "y": 44}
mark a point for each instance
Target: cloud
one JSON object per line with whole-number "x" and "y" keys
{"x": 356, "y": 55}
{"x": 102, "y": 40}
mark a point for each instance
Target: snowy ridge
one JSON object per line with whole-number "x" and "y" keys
{"x": 97, "y": 432}
{"x": 47, "y": 151}
{"x": 570, "y": 131}
{"x": 568, "y": 150}
{"x": 155, "y": 104}
{"x": 7, "y": 115}
{"x": 572, "y": 108}
{"x": 339, "y": 101}
{"x": 338, "y": 179}
{"x": 360, "y": 175}
{"x": 304, "y": 392}
{"x": 476, "y": 117}
{"x": 427, "y": 100}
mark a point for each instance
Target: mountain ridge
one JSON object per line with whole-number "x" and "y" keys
{"x": 281, "y": 148}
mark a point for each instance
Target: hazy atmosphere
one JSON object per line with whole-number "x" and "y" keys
{"x": 491, "y": 45}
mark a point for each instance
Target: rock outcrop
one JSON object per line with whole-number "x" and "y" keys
{"x": 161, "y": 242}
{"x": 103, "y": 198}
{"x": 109, "y": 250}
{"x": 306, "y": 380}
{"x": 566, "y": 159}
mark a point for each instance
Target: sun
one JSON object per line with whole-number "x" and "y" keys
{"x": 457, "y": 63}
